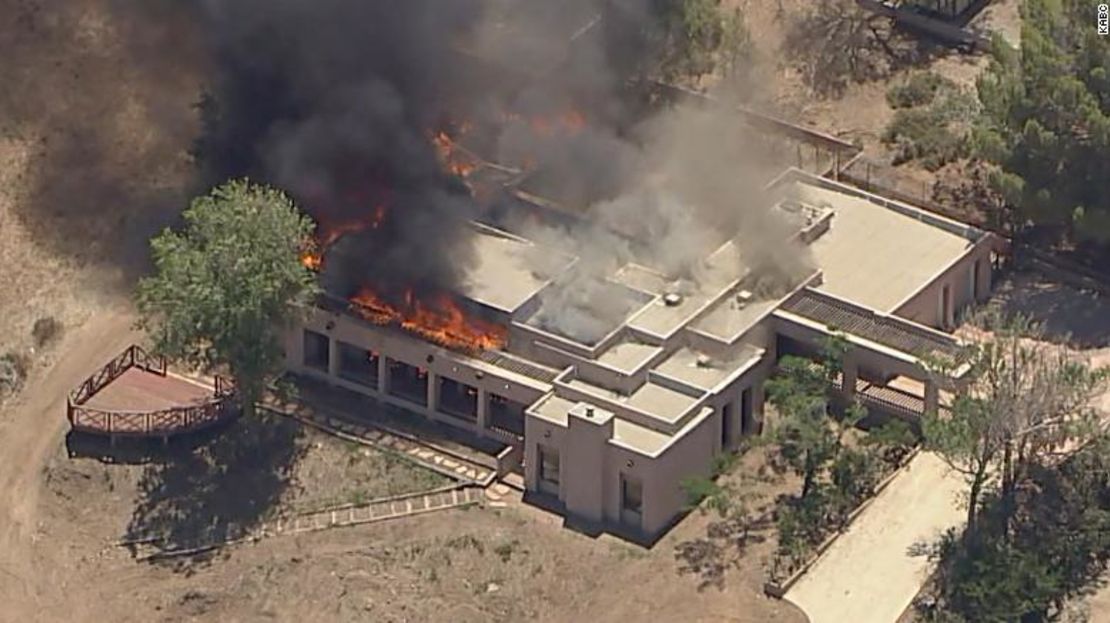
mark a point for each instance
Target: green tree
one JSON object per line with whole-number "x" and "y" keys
{"x": 1046, "y": 119}
{"x": 698, "y": 37}
{"x": 1030, "y": 403}
{"x": 1026, "y": 567}
{"x": 807, "y": 439}
{"x": 226, "y": 286}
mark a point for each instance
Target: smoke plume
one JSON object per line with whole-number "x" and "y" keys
{"x": 335, "y": 100}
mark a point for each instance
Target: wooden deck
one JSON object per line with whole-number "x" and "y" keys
{"x": 134, "y": 395}
{"x": 137, "y": 390}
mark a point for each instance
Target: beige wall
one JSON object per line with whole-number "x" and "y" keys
{"x": 591, "y": 468}
{"x": 413, "y": 352}
{"x": 924, "y": 306}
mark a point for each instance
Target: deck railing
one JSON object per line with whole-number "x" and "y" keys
{"x": 132, "y": 356}
{"x": 158, "y": 423}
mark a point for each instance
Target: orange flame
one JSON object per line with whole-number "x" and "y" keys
{"x": 442, "y": 322}
{"x": 454, "y": 161}
{"x": 313, "y": 258}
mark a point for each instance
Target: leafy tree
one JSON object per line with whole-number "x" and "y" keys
{"x": 891, "y": 441}
{"x": 224, "y": 287}
{"x": 1046, "y": 121}
{"x": 1025, "y": 566}
{"x": 836, "y": 42}
{"x": 698, "y": 37}
{"x": 807, "y": 439}
{"x": 1030, "y": 403}
{"x": 853, "y": 475}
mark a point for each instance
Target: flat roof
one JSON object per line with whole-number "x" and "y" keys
{"x": 683, "y": 366}
{"x": 656, "y": 401}
{"x": 556, "y": 410}
{"x": 728, "y": 320}
{"x": 628, "y": 355}
{"x": 721, "y": 270}
{"x": 641, "y": 438}
{"x": 875, "y": 255}
{"x": 500, "y": 276}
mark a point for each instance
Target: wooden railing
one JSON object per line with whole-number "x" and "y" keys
{"x": 133, "y": 356}
{"x": 159, "y": 423}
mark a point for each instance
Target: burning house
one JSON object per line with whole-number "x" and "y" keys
{"x": 614, "y": 411}
{"x": 510, "y": 246}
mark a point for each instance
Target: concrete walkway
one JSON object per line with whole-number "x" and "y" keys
{"x": 871, "y": 574}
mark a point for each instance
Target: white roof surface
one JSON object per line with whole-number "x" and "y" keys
{"x": 873, "y": 255}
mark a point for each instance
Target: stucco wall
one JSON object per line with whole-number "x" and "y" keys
{"x": 924, "y": 306}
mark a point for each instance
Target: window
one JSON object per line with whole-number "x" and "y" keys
{"x": 357, "y": 365}
{"x": 975, "y": 268}
{"x": 747, "y": 417}
{"x": 549, "y": 470}
{"x": 726, "y": 425}
{"x": 317, "y": 350}
{"x": 945, "y": 306}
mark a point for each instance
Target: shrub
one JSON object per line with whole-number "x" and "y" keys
{"x": 46, "y": 330}
{"x": 931, "y": 128}
{"x": 13, "y": 371}
{"x": 921, "y": 89}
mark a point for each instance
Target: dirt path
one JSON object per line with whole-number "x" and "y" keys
{"x": 871, "y": 573}
{"x": 30, "y": 430}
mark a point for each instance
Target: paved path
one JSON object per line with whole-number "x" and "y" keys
{"x": 870, "y": 574}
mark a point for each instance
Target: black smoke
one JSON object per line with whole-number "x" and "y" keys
{"x": 333, "y": 101}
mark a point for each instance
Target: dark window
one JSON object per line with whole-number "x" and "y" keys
{"x": 408, "y": 382}
{"x": 747, "y": 418}
{"x": 632, "y": 495}
{"x": 549, "y": 470}
{"x": 506, "y": 414}
{"x": 358, "y": 365}
{"x": 317, "y": 350}
{"x": 726, "y": 424}
{"x": 458, "y": 399}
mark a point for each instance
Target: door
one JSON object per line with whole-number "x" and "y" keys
{"x": 632, "y": 502}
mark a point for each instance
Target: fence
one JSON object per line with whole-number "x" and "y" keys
{"x": 155, "y": 423}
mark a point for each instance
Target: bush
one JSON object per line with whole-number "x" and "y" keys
{"x": 921, "y": 89}
{"x": 46, "y": 331}
{"x": 932, "y": 123}
{"x": 802, "y": 523}
{"x": 854, "y": 475}
{"x": 13, "y": 371}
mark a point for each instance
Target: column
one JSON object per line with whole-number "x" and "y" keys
{"x": 433, "y": 391}
{"x": 849, "y": 375}
{"x": 383, "y": 373}
{"x": 483, "y": 409}
{"x": 932, "y": 396}
{"x": 582, "y": 462}
{"x": 333, "y": 356}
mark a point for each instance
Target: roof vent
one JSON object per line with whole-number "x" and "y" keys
{"x": 743, "y": 297}
{"x": 672, "y": 299}
{"x": 703, "y": 361}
